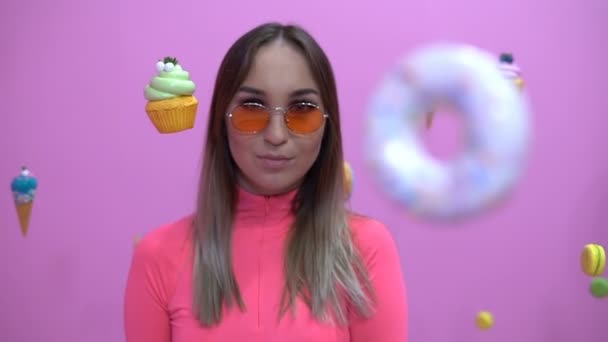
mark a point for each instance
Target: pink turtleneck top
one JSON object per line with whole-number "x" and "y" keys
{"x": 158, "y": 297}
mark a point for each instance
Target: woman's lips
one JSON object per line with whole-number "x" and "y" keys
{"x": 274, "y": 161}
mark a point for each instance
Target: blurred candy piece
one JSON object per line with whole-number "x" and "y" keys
{"x": 429, "y": 119}
{"x": 511, "y": 70}
{"x": 599, "y": 287}
{"x": 485, "y": 320}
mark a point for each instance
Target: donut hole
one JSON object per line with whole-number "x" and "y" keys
{"x": 444, "y": 135}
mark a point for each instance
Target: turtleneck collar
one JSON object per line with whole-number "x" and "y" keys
{"x": 263, "y": 209}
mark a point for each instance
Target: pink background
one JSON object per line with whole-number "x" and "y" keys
{"x": 72, "y": 87}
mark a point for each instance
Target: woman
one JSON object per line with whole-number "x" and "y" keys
{"x": 271, "y": 253}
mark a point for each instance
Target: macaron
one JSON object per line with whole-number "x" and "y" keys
{"x": 593, "y": 259}
{"x": 484, "y": 320}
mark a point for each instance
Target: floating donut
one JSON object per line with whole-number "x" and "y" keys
{"x": 497, "y": 120}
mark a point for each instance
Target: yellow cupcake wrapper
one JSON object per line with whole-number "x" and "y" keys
{"x": 173, "y": 115}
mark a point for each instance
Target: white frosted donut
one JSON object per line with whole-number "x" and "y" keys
{"x": 497, "y": 120}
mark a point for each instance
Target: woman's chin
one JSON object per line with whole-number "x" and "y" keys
{"x": 269, "y": 187}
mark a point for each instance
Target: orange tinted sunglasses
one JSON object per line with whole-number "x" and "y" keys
{"x": 300, "y": 118}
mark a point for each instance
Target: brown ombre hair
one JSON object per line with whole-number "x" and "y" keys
{"x": 321, "y": 265}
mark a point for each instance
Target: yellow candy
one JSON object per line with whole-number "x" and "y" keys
{"x": 485, "y": 320}
{"x": 593, "y": 259}
{"x": 348, "y": 179}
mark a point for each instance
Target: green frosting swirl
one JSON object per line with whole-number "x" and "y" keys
{"x": 169, "y": 84}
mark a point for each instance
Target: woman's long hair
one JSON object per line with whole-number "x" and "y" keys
{"x": 321, "y": 265}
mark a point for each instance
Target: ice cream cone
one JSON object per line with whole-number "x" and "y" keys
{"x": 24, "y": 189}
{"x": 24, "y": 211}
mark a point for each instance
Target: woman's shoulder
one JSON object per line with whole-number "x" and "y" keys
{"x": 370, "y": 234}
{"x": 167, "y": 241}
{"x": 157, "y": 261}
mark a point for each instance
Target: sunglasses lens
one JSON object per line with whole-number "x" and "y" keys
{"x": 304, "y": 118}
{"x": 250, "y": 118}
{"x": 301, "y": 118}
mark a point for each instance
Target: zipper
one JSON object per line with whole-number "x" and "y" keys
{"x": 266, "y": 211}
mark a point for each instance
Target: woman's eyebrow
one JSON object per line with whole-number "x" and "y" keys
{"x": 302, "y": 92}
{"x": 296, "y": 93}
{"x": 251, "y": 90}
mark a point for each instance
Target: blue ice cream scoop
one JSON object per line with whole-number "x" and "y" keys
{"x": 24, "y": 186}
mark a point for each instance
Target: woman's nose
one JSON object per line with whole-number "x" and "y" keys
{"x": 276, "y": 133}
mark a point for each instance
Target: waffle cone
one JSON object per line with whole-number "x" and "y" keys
{"x": 24, "y": 211}
{"x": 173, "y": 115}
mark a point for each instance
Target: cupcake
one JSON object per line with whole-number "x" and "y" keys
{"x": 24, "y": 190}
{"x": 511, "y": 70}
{"x": 171, "y": 104}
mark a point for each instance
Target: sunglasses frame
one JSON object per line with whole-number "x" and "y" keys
{"x": 279, "y": 110}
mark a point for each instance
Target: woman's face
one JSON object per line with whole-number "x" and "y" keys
{"x": 275, "y": 160}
